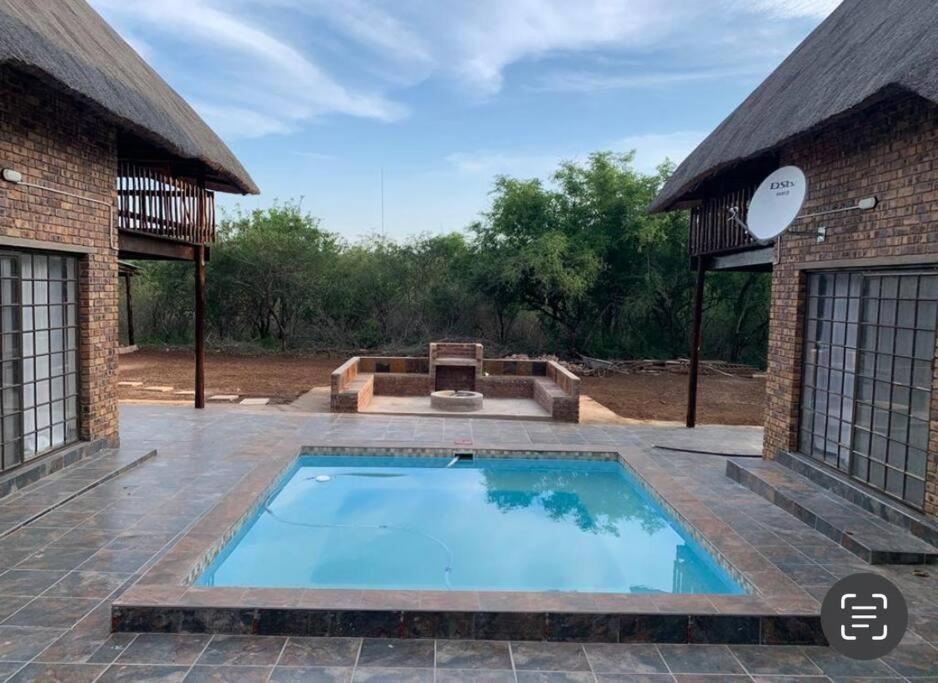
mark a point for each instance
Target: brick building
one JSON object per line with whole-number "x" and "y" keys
{"x": 851, "y": 372}
{"x": 101, "y": 160}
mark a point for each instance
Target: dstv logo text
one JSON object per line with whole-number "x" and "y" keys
{"x": 782, "y": 185}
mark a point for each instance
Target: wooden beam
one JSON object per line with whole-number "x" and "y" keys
{"x": 200, "y": 327}
{"x": 752, "y": 260}
{"x": 695, "y": 345}
{"x": 130, "y": 311}
{"x": 135, "y": 245}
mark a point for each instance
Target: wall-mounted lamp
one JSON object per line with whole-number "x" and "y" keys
{"x": 11, "y": 176}
{"x": 820, "y": 233}
{"x": 864, "y": 204}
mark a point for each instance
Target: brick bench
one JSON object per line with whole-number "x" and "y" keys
{"x": 351, "y": 391}
{"x": 359, "y": 379}
{"x": 562, "y": 404}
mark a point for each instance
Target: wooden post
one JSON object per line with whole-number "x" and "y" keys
{"x": 200, "y": 326}
{"x": 130, "y": 311}
{"x": 695, "y": 345}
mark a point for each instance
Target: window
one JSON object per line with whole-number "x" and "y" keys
{"x": 39, "y": 344}
{"x": 868, "y": 373}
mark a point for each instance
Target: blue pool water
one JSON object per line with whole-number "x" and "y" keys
{"x": 487, "y": 524}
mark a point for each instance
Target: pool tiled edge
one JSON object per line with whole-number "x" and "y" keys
{"x": 777, "y": 612}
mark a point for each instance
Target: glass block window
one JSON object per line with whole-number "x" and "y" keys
{"x": 829, "y": 366}
{"x": 868, "y": 374}
{"x": 39, "y": 342}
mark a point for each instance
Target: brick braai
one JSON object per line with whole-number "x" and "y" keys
{"x": 890, "y": 150}
{"x": 456, "y": 366}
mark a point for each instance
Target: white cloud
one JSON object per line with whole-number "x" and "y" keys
{"x": 650, "y": 150}
{"x": 592, "y": 81}
{"x": 499, "y": 33}
{"x": 269, "y": 85}
{"x": 489, "y": 163}
{"x": 653, "y": 148}
{"x": 477, "y": 40}
{"x": 241, "y": 122}
{"x": 368, "y": 24}
{"x": 787, "y": 8}
{"x": 264, "y": 62}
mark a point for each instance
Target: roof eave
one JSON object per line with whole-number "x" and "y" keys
{"x": 218, "y": 179}
{"x": 675, "y": 199}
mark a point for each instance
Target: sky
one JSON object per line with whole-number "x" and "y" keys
{"x": 320, "y": 99}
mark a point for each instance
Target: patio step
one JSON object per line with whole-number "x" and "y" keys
{"x": 21, "y": 508}
{"x": 866, "y": 535}
{"x": 879, "y": 504}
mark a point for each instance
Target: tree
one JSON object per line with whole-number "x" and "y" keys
{"x": 271, "y": 265}
{"x": 572, "y": 265}
{"x": 572, "y": 252}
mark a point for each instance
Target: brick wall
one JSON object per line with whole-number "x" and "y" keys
{"x": 505, "y": 366}
{"x": 395, "y": 364}
{"x": 344, "y": 374}
{"x": 565, "y": 379}
{"x": 551, "y": 385}
{"x": 402, "y": 384}
{"x": 505, "y": 387}
{"x": 890, "y": 151}
{"x": 56, "y": 142}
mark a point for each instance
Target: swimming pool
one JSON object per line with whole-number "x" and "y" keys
{"x": 487, "y": 524}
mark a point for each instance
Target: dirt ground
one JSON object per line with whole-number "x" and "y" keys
{"x": 282, "y": 378}
{"x": 720, "y": 400}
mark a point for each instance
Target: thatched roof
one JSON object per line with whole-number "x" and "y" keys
{"x": 865, "y": 49}
{"x": 67, "y": 42}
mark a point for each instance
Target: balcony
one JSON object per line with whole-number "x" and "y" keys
{"x": 161, "y": 215}
{"x": 711, "y": 229}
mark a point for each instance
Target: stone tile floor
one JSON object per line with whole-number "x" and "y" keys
{"x": 506, "y": 408}
{"x": 165, "y": 657}
{"x": 59, "y": 575}
{"x": 21, "y": 506}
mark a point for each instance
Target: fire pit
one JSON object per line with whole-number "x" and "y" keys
{"x": 456, "y": 401}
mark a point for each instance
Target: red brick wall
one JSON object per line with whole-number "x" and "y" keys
{"x": 506, "y": 386}
{"x": 565, "y": 379}
{"x": 890, "y": 151}
{"x": 344, "y": 374}
{"x": 401, "y": 384}
{"x": 56, "y": 142}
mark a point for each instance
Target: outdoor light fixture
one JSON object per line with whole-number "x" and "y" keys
{"x": 864, "y": 204}
{"x": 12, "y": 176}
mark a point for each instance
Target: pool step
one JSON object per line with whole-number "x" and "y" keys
{"x": 20, "y": 508}
{"x": 866, "y": 535}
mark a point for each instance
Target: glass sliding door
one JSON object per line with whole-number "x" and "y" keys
{"x": 11, "y": 348}
{"x": 868, "y": 374}
{"x": 39, "y": 342}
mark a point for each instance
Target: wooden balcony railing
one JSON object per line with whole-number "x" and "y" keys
{"x": 156, "y": 203}
{"x": 712, "y": 231}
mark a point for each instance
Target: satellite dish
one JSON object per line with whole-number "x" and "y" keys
{"x": 777, "y": 202}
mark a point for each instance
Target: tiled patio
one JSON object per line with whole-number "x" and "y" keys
{"x": 504, "y": 408}
{"x": 59, "y": 575}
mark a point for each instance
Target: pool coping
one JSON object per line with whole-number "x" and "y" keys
{"x": 164, "y": 599}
